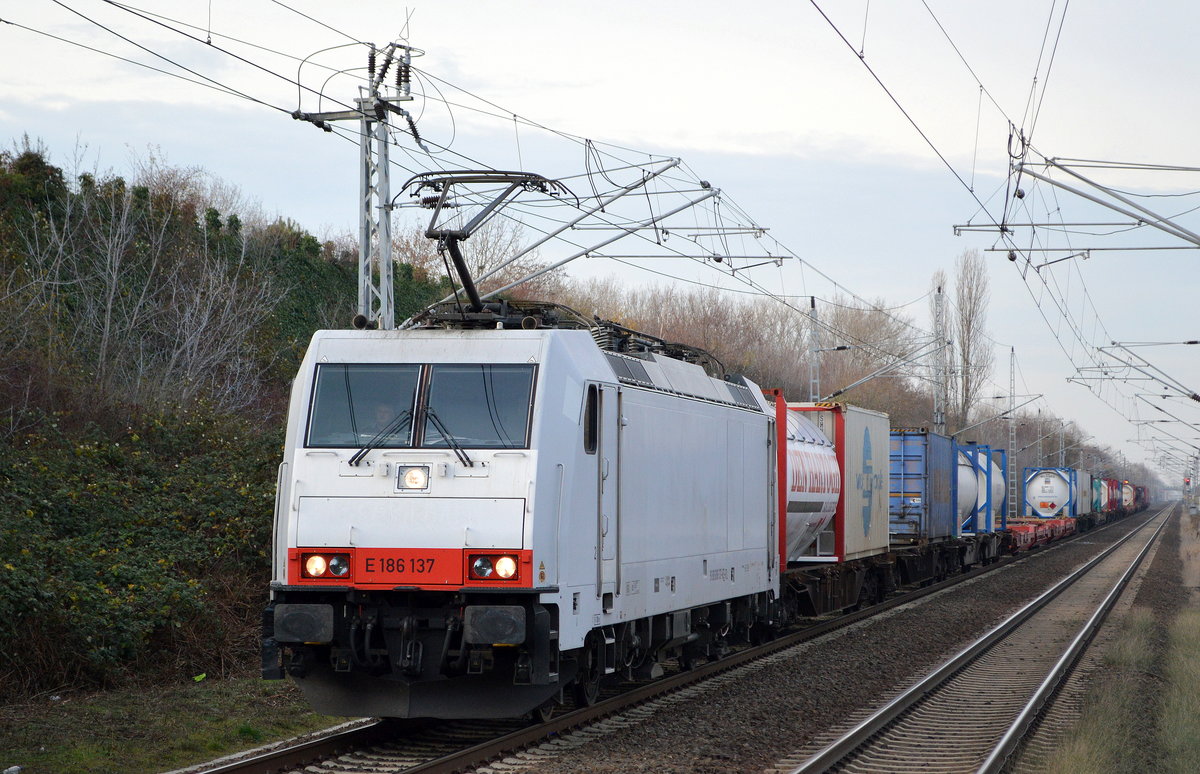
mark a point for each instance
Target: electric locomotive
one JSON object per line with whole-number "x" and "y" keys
{"x": 485, "y": 514}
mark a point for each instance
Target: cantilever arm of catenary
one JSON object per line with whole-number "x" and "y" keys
{"x": 625, "y": 231}
{"x": 884, "y": 370}
{"x": 1155, "y": 221}
{"x": 566, "y": 226}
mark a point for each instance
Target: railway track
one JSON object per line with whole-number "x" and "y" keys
{"x": 972, "y": 713}
{"x": 450, "y": 746}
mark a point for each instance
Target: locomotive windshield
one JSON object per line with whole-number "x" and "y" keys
{"x": 480, "y": 406}
{"x": 353, "y": 404}
{"x": 477, "y": 406}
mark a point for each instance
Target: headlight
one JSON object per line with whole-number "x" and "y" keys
{"x": 325, "y": 565}
{"x": 315, "y": 566}
{"x": 502, "y": 567}
{"x": 413, "y": 477}
{"x": 339, "y": 565}
{"x": 506, "y": 567}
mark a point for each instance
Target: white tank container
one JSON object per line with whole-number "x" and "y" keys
{"x": 813, "y": 484}
{"x": 978, "y": 460}
{"x": 1047, "y": 493}
{"x": 1128, "y": 496}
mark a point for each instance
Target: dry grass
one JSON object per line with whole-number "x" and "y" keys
{"x": 150, "y": 730}
{"x": 1106, "y": 737}
{"x": 1180, "y": 727}
{"x": 1142, "y": 709}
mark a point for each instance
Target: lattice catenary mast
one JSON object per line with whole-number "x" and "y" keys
{"x": 376, "y": 304}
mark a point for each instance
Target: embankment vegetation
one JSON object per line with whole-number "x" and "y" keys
{"x": 147, "y": 340}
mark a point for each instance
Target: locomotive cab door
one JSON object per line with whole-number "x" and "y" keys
{"x": 607, "y": 418}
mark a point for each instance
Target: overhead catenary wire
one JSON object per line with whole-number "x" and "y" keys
{"x": 904, "y": 111}
{"x": 167, "y": 59}
{"x": 266, "y": 70}
{"x": 346, "y": 35}
{"x": 1089, "y": 344}
{"x": 204, "y": 83}
{"x": 726, "y": 204}
{"x": 1026, "y": 144}
{"x": 346, "y": 135}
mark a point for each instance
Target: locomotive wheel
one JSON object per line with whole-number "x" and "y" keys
{"x": 586, "y": 688}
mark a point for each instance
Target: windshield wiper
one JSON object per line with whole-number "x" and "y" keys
{"x": 453, "y": 444}
{"x": 391, "y": 428}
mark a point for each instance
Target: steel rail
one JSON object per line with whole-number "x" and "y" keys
{"x": 300, "y": 754}
{"x": 312, "y": 750}
{"x": 835, "y": 752}
{"x": 1007, "y": 745}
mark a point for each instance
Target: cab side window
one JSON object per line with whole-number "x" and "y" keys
{"x": 591, "y": 419}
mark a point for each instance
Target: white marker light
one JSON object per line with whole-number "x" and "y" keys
{"x": 315, "y": 566}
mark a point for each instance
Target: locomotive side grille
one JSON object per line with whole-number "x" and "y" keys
{"x": 630, "y": 370}
{"x": 742, "y": 395}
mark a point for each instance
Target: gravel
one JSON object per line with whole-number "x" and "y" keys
{"x": 748, "y": 724}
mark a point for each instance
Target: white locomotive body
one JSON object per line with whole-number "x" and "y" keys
{"x": 470, "y": 521}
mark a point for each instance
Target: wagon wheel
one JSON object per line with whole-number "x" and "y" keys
{"x": 586, "y": 688}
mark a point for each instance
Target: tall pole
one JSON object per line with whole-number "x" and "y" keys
{"x": 376, "y": 307}
{"x": 942, "y": 364}
{"x": 1041, "y": 435}
{"x": 1012, "y": 433}
{"x": 376, "y": 304}
{"x": 814, "y": 354}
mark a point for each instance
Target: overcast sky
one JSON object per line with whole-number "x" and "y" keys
{"x": 768, "y": 101}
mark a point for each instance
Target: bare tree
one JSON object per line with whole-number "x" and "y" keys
{"x": 969, "y": 323}
{"x": 209, "y": 315}
{"x": 878, "y": 340}
{"x": 768, "y": 341}
{"x": 139, "y": 302}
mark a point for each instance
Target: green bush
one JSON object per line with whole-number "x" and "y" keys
{"x": 120, "y": 549}
{"x": 141, "y": 546}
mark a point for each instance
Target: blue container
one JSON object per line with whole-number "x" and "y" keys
{"x": 991, "y": 493}
{"x": 923, "y": 487}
